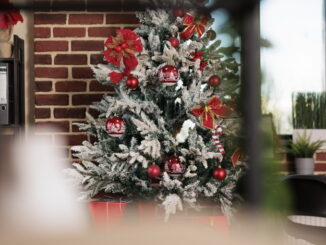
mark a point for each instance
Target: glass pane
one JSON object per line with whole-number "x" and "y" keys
{"x": 295, "y": 60}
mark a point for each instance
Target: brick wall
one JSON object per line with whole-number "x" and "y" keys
{"x": 286, "y": 162}
{"x": 65, "y": 45}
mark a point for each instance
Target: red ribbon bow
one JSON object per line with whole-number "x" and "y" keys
{"x": 10, "y": 16}
{"x": 122, "y": 47}
{"x": 116, "y": 77}
{"x": 236, "y": 156}
{"x": 208, "y": 112}
{"x": 194, "y": 24}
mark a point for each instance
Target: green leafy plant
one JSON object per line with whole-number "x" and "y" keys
{"x": 303, "y": 148}
{"x": 308, "y": 110}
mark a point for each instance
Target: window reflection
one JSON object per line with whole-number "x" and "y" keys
{"x": 296, "y": 60}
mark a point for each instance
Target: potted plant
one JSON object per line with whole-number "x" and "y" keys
{"x": 308, "y": 114}
{"x": 303, "y": 149}
{"x": 8, "y": 18}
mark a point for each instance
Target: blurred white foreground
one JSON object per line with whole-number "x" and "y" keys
{"x": 34, "y": 196}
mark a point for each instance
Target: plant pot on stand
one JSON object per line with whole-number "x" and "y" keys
{"x": 303, "y": 149}
{"x": 304, "y": 166}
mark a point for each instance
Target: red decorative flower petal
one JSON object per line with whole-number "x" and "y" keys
{"x": 110, "y": 58}
{"x": 128, "y": 34}
{"x": 130, "y": 62}
{"x": 137, "y": 46}
{"x": 11, "y": 17}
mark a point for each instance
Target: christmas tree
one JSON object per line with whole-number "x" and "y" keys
{"x": 171, "y": 132}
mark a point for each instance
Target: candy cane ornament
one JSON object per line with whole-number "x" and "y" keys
{"x": 215, "y": 136}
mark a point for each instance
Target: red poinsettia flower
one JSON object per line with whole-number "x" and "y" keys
{"x": 10, "y": 16}
{"x": 198, "y": 55}
{"x": 122, "y": 47}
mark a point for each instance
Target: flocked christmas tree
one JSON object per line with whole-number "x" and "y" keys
{"x": 170, "y": 133}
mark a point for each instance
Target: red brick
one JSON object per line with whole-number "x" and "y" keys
{"x": 69, "y": 32}
{"x": 96, "y": 86}
{"x": 121, "y": 19}
{"x": 97, "y": 59}
{"x": 69, "y": 112}
{"x": 70, "y": 59}
{"x": 51, "y": 72}
{"x": 88, "y": 19}
{"x": 45, "y": 86}
{"x": 94, "y": 113}
{"x": 48, "y": 46}
{"x": 320, "y": 167}
{"x": 101, "y": 31}
{"x": 321, "y": 156}
{"x": 56, "y": 126}
{"x": 87, "y": 45}
{"x": 42, "y": 113}
{"x": 51, "y": 99}
{"x": 70, "y": 86}
{"x": 42, "y": 59}
{"x": 85, "y": 99}
{"x": 76, "y": 139}
{"x": 82, "y": 72}
{"x": 49, "y": 19}
{"x": 42, "y": 32}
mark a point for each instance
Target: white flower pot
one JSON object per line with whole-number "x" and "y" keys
{"x": 304, "y": 166}
{"x": 315, "y": 134}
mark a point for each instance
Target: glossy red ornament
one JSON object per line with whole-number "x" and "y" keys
{"x": 174, "y": 167}
{"x": 219, "y": 174}
{"x": 174, "y": 42}
{"x": 124, "y": 45}
{"x": 178, "y": 13}
{"x": 118, "y": 49}
{"x": 214, "y": 81}
{"x": 169, "y": 75}
{"x": 132, "y": 82}
{"x": 115, "y": 126}
{"x": 153, "y": 171}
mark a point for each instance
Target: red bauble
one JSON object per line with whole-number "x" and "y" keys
{"x": 174, "y": 42}
{"x": 219, "y": 174}
{"x": 174, "y": 167}
{"x": 214, "y": 81}
{"x": 115, "y": 126}
{"x": 124, "y": 45}
{"x": 153, "y": 171}
{"x": 178, "y": 12}
{"x": 169, "y": 75}
{"x": 132, "y": 82}
{"x": 118, "y": 49}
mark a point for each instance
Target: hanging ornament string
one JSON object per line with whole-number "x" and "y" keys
{"x": 216, "y": 138}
